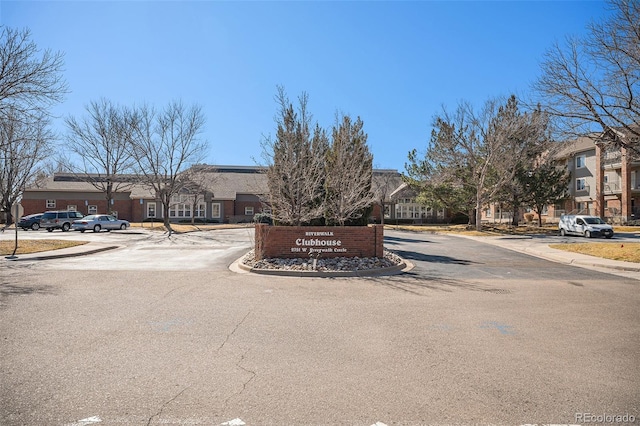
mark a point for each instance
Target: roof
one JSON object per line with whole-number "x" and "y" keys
{"x": 581, "y": 144}
{"x": 224, "y": 182}
{"x": 67, "y": 182}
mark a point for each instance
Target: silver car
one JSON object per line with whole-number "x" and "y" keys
{"x": 98, "y": 222}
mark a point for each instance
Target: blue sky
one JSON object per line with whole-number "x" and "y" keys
{"x": 394, "y": 64}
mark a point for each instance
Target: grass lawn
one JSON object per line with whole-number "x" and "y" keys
{"x": 628, "y": 252}
{"x": 35, "y": 246}
{"x": 487, "y": 230}
{"x": 185, "y": 227}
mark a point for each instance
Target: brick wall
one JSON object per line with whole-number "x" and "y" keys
{"x": 330, "y": 241}
{"x": 123, "y": 207}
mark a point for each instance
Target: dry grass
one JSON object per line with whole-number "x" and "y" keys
{"x": 35, "y": 246}
{"x": 628, "y": 252}
{"x": 487, "y": 230}
{"x": 185, "y": 227}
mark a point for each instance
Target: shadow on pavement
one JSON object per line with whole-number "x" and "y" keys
{"x": 396, "y": 240}
{"x": 414, "y": 283}
{"x": 412, "y": 255}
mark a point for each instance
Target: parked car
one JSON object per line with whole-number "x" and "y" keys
{"x": 31, "y": 221}
{"x": 587, "y": 226}
{"x": 98, "y": 222}
{"x": 59, "y": 220}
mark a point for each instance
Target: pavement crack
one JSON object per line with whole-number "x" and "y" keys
{"x": 246, "y": 382}
{"x": 233, "y": 331}
{"x": 159, "y": 413}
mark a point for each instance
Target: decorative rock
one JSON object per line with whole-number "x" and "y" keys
{"x": 324, "y": 265}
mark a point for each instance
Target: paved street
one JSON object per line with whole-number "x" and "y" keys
{"x": 161, "y": 332}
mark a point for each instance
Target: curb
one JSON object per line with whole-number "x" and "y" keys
{"x": 62, "y": 255}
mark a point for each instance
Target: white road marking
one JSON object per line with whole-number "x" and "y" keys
{"x": 88, "y": 421}
{"x": 234, "y": 422}
{"x": 378, "y": 424}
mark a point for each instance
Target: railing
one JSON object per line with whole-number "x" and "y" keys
{"x": 612, "y": 187}
{"x": 612, "y": 157}
{"x": 584, "y": 189}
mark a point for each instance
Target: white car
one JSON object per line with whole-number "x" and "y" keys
{"x": 587, "y": 226}
{"x": 98, "y": 222}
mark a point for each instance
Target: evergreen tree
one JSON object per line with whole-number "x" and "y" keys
{"x": 349, "y": 169}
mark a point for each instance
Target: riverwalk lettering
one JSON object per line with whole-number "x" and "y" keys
{"x": 319, "y": 234}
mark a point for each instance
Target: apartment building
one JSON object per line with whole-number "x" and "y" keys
{"x": 605, "y": 182}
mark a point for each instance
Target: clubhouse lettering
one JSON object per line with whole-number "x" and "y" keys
{"x": 318, "y": 245}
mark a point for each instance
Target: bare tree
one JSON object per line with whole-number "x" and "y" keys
{"x": 384, "y": 182}
{"x": 596, "y": 79}
{"x": 479, "y": 152}
{"x": 349, "y": 169}
{"x": 23, "y": 145}
{"x": 30, "y": 80}
{"x": 163, "y": 144}
{"x": 99, "y": 142}
{"x": 295, "y": 172}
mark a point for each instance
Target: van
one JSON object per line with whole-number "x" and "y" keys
{"x": 59, "y": 220}
{"x": 587, "y": 226}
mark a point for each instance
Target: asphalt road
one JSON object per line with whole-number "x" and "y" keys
{"x": 474, "y": 334}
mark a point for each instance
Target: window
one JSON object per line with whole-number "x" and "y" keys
{"x": 92, "y": 210}
{"x": 215, "y": 210}
{"x": 487, "y": 213}
{"x": 151, "y": 210}
{"x": 180, "y": 206}
{"x": 72, "y": 208}
{"x": 51, "y": 204}
{"x": 581, "y": 184}
{"x": 248, "y": 211}
{"x": 580, "y": 161}
{"x": 201, "y": 210}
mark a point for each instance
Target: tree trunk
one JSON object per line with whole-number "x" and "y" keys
{"x": 539, "y": 218}
{"x": 166, "y": 222}
{"x": 515, "y": 220}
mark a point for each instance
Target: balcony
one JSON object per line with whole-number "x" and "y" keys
{"x": 612, "y": 159}
{"x": 612, "y": 187}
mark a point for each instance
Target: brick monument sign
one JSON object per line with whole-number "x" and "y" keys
{"x": 323, "y": 241}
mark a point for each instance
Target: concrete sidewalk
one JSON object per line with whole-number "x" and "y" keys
{"x": 539, "y": 247}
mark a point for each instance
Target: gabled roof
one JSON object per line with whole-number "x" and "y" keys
{"x": 572, "y": 147}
